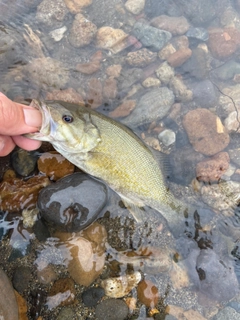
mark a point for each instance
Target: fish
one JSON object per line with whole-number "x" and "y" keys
{"x": 113, "y": 153}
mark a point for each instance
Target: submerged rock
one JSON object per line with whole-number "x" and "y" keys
{"x": 112, "y": 309}
{"x": 24, "y": 162}
{"x": 73, "y": 202}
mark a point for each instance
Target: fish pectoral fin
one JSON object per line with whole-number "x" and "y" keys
{"x": 136, "y": 210}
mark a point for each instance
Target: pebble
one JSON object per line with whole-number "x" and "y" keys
{"x": 119, "y": 287}
{"x": 205, "y": 131}
{"x": 8, "y": 302}
{"x": 204, "y": 93}
{"x": 152, "y": 38}
{"x": 198, "y": 33}
{"x": 177, "y": 58}
{"x": 154, "y": 8}
{"x": 134, "y": 6}
{"x": 69, "y": 204}
{"x": 40, "y": 230}
{"x": 227, "y": 70}
{"x": 211, "y": 170}
{"x": 92, "y": 296}
{"x": 76, "y": 6}
{"x": 199, "y": 13}
{"x": 114, "y": 70}
{"x": 124, "y": 109}
{"x": 110, "y": 89}
{"x": 141, "y": 58}
{"x": 24, "y": 162}
{"x": 82, "y": 31}
{"x": 58, "y": 34}
{"x": 158, "y": 102}
{"x": 111, "y": 309}
{"x": 67, "y": 95}
{"x": 180, "y": 90}
{"x": 17, "y": 194}
{"x": 62, "y": 293}
{"x": 66, "y": 313}
{"x": 167, "y": 137}
{"x": 230, "y": 104}
{"x": 51, "y": 12}
{"x": 147, "y": 293}
{"x": 46, "y": 275}
{"x": 95, "y": 93}
{"x": 93, "y": 65}
{"x": 84, "y": 253}
{"x": 175, "y": 25}
{"x": 165, "y": 72}
{"x": 22, "y": 307}
{"x": 54, "y": 165}
{"x": 111, "y": 39}
{"x": 128, "y": 77}
{"x": 179, "y": 276}
{"x": 227, "y": 313}
{"x": 21, "y": 278}
{"x": 151, "y": 82}
{"x": 166, "y": 51}
{"x": 223, "y": 43}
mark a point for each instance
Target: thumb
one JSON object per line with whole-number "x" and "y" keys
{"x": 16, "y": 118}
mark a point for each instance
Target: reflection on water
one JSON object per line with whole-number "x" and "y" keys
{"x": 169, "y": 70}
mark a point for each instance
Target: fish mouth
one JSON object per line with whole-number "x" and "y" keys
{"x": 44, "y": 134}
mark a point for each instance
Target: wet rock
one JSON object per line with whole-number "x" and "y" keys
{"x": 51, "y": 13}
{"x": 179, "y": 276}
{"x": 175, "y": 25}
{"x": 17, "y": 194}
{"x": 135, "y": 6}
{"x": 62, "y": 293}
{"x": 223, "y": 43}
{"x": 66, "y": 313}
{"x": 230, "y": 99}
{"x": 152, "y": 38}
{"x": 154, "y": 8}
{"x": 85, "y": 253}
{"x": 58, "y": 34}
{"x": 22, "y": 307}
{"x": 41, "y": 231}
{"x": 204, "y": 93}
{"x": 217, "y": 277}
{"x": 8, "y": 302}
{"x": 67, "y": 95}
{"x": 111, "y": 39}
{"x": 165, "y": 73}
{"x": 167, "y": 137}
{"x": 179, "y": 313}
{"x": 166, "y": 51}
{"x": 54, "y": 165}
{"x": 47, "y": 72}
{"x": 141, "y": 58}
{"x": 92, "y": 66}
{"x": 110, "y": 89}
{"x": 177, "y": 58}
{"x": 82, "y": 31}
{"x": 180, "y": 90}
{"x": 205, "y": 131}
{"x": 46, "y": 275}
{"x": 235, "y": 156}
{"x": 21, "y": 278}
{"x": 114, "y": 70}
{"x": 211, "y": 170}
{"x": 94, "y": 94}
{"x": 111, "y": 309}
{"x": 24, "y": 162}
{"x": 151, "y": 82}
{"x": 92, "y": 296}
{"x": 128, "y": 77}
{"x": 123, "y": 109}
{"x": 69, "y": 204}
{"x": 227, "y": 71}
{"x": 159, "y": 102}
{"x": 198, "y": 33}
{"x": 147, "y": 293}
{"x": 119, "y": 287}
{"x": 227, "y": 313}
{"x": 76, "y": 6}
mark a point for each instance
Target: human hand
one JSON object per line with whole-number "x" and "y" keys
{"x": 15, "y": 120}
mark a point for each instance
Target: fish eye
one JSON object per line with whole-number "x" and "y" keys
{"x": 67, "y": 118}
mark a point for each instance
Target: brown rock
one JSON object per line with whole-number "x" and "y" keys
{"x": 8, "y": 302}
{"x": 92, "y": 66}
{"x": 180, "y": 42}
{"x": 175, "y": 25}
{"x": 67, "y": 95}
{"x": 123, "y": 109}
{"x": 114, "y": 70}
{"x": 17, "y": 194}
{"x": 111, "y": 39}
{"x": 54, "y": 165}
{"x": 62, "y": 293}
{"x": 205, "y": 131}
{"x": 22, "y": 306}
{"x": 95, "y": 94}
{"x": 179, "y": 313}
{"x": 141, "y": 58}
{"x": 179, "y": 57}
{"x": 211, "y": 170}
{"x": 82, "y": 31}
{"x": 76, "y": 6}
{"x": 46, "y": 275}
{"x": 110, "y": 88}
{"x": 223, "y": 42}
{"x": 147, "y": 293}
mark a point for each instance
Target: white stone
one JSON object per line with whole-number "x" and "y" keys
{"x": 58, "y": 34}
{"x": 135, "y": 6}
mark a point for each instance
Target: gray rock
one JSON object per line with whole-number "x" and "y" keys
{"x": 21, "y": 278}
{"x": 151, "y": 37}
{"x": 227, "y": 71}
{"x": 73, "y": 202}
{"x": 51, "y": 12}
{"x": 153, "y": 105}
{"x": 204, "y": 93}
{"x": 8, "y": 303}
{"x": 24, "y": 162}
{"x": 198, "y": 33}
{"x": 112, "y": 309}
{"x": 227, "y": 314}
{"x": 92, "y": 296}
{"x": 167, "y": 137}
{"x": 128, "y": 77}
{"x": 66, "y": 314}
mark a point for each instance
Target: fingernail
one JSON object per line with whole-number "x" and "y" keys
{"x": 33, "y": 118}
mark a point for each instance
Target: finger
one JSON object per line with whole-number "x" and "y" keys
{"x": 16, "y": 118}
{"x": 25, "y": 143}
{"x": 6, "y": 145}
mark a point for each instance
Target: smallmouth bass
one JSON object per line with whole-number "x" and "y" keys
{"x": 106, "y": 149}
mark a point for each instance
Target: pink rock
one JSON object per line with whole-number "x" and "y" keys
{"x": 175, "y": 25}
{"x": 177, "y": 58}
{"x": 67, "y": 95}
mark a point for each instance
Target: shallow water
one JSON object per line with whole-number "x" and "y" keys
{"x": 43, "y": 57}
